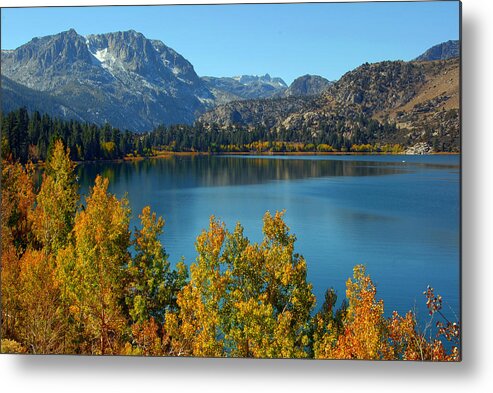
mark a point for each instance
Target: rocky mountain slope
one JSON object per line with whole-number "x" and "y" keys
{"x": 307, "y": 85}
{"x": 15, "y": 95}
{"x": 122, "y": 78}
{"x": 420, "y": 100}
{"x": 244, "y": 87}
{"x": 443, "y": 51}
{"x": 266, "y": 112}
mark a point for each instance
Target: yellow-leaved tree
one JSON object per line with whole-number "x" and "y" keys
{"x": 243, "y": 299}
{"x": 93, "y": 270}
{"x": 363, "y": 334}
{"x": 42, "y": 321}
{"x": 195, "y": 329}
{"x": 16, "y": 202}
{"x": 56, "y": 202}
{"x": 151, "y": 286}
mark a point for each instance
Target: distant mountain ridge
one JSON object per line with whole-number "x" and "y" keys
{"x": 444, "y": 51}
{"x": 421, "y": 99}
{"x": 136, "y": 83}
{"x": 244, "y": 87}
{"x": 121, "y": 78}
{"x": 253, "y": 79}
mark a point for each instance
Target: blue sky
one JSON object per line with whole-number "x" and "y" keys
{"x": 286, "y": 40}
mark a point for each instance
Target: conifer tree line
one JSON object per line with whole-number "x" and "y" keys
{"x": 71, "y": 285}
{"x": 31, "y": 137}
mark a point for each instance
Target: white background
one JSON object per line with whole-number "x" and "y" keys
{"x": 91, "y": 374}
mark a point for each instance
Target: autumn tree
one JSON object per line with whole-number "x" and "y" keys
{"x": 146, "y": 339}
{"x": 329, "y": 321}
{"x": 16, "y": 202}
{"x": 11, "y": 346}
{"x": 56, "y": 202}
{"x": 42, "y": 323}
{"x": 152, "y": 285}
{"x": 410, "y": 343}
{"x": 94, "y": 267}
{"x": 18, "y": 197}
{"x": 30, "y": 293}
{"x": 243, "y": 299}
{"x": 364, "y": 334}
{"x": 42, "y": 319}
{"x": 271, "y": 301}
{"x": 195, "y": 329}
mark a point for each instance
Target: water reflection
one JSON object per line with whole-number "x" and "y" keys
{"x": 401, "y": 219}
{"x": 212, "y": 171}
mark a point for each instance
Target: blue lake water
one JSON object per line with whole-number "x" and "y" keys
{"x": 398, "y": 215}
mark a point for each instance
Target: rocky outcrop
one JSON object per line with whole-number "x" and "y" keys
{"x": 419, "y": 148}
{"x": 307, "y": 85}
{"x": 266, "y": 113}
{"x": 443, "y": 51}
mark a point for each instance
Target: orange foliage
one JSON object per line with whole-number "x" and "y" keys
{"x": 145, "y": 339}
{"x": 70, "y": 285}
{"x": 363, "y": 335}
{"x": 16, "y": 202}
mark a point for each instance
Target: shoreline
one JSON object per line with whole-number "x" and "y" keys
{"x": 267, "y": 154}
{"x": 170, "y": 154}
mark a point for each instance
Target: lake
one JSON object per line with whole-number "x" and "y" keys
{"x": 398, "y": 215}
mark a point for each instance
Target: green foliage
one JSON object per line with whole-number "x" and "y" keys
{"x": 152, "y": 286}
{"x": 56, "y": 202}
{"x": 33, "y": 137}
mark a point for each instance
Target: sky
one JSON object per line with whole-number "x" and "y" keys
{"x": 285, "y": 40}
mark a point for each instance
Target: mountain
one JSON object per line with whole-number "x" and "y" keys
{"x": 230, "y": 91}
{"x": 443, "y": 51}
{"x": 267, "y": 113}
{"x": 248, "y": 87}
{"x": 244, "y": 87}
{"x": 122, "y": 78}
{"x": 407, "y": 103}
{"x": 15, "y": 95}
{"x": 307, "y": 85}
{"x": 136, "y": 83}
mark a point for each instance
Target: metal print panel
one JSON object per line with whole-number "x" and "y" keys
{"x": 262, "y": 180}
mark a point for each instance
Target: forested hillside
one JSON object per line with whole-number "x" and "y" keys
{"x": 415, "y": 102}
{"x": 30, "y": 137}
